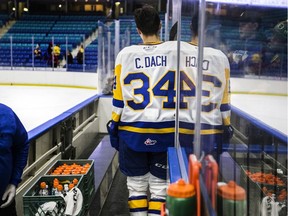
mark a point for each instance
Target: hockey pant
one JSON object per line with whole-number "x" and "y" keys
{"x": 138, "y": 200}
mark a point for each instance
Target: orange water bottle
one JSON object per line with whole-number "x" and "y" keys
{"x": 43, "y": 189}
{"x": 181, "y": 199}
{"x": 59, "y": 190}
{"x": 231, "y": 200}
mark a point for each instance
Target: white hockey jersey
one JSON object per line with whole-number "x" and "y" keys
{"x": 144, "y": 93}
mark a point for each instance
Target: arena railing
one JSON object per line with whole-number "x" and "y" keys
{"x": 64, "y": 137}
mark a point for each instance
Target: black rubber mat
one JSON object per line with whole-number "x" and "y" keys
{"x": 116, "y": 203}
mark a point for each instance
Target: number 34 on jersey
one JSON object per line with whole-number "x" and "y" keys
{"x": 142, "y": 92}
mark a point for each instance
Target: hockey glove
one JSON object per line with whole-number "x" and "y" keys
{"x": 228, "y": 132}
{"x": 112, "y": 128}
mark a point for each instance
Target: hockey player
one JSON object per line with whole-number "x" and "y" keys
{"x": 14, "y": 147}
{"x": 144, "y": 101}
{"x": 143, "y": 133}
{"x": 216, "y": 109}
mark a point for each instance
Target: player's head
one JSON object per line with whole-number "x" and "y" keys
{"x": 195, "y": 21}
{"x": 194, "y": 24}
{"x": 249, "y": 23}
{"x": 278, "y": 41}
{"x": 147, "y": 20}
{"x": 280, "y": 31}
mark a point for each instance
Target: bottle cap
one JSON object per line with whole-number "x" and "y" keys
{"x": 56, "y": 172}
{"x": 75, "y": 181}
{"x": 181, "y": 189}
{"x": 60, "y": 187}
{"x": 55, "y": 184}
{"x": 83, "y": 171}
{"x": 71, "y": 185}
{"x": 42, "y": 185}
{"x": 232, "y": 191}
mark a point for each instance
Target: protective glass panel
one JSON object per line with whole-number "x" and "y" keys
{"x": 242, "y": 49}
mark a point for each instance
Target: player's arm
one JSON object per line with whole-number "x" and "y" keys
{"x": 225, "y": 107}
{"x": 117, "y": 106}
{"x": 20, "y": 151}
{"x": 117, "y": 103}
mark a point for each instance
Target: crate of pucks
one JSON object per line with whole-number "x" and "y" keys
{"x": 83, "y": 167}
{"x": 59, "y": 196}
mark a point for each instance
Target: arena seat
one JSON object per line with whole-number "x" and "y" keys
{"x": 44, "y": 29}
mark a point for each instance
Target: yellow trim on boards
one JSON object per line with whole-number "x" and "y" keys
{"x": 47, "y": 85}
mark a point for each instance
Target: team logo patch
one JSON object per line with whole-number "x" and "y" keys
{"x": 149, "y": 48}
{"x": 150, "y": 142}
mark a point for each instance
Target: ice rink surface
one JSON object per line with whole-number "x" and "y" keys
{"x": 36, "y": 105}
{"x": 270, "y": 110}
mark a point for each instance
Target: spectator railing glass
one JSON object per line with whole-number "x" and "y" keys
{"x": 106, "y": 56}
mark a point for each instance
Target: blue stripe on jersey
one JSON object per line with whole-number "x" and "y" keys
{"x": 156, "y": 125}
{"x": 167, "y": 125}
{"x": 191, "y": 126}
{"x": 225, "y": 107}
{"x": 118, "y": 103}
{"x": 157, "y": 137}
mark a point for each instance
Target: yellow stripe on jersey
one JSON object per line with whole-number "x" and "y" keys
{"x": 115, "y": 117}
{"x": 141, "y": 203}
{"x": 117, "y": 91}
{"x": 154, "y": 205}
{"x": 147, "y": 130}
{"x": 166, "y": 130}
{"x": 226, "y": 121}
{"x": 226, "y": 94}
{"x": 203, "y": 132}
{"x": 226, "y": 114}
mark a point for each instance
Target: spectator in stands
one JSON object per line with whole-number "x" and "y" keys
{"x": 37, "y": 52}
{"x": 80, "y": 54}
{"x": 69, "y": 57}
{"x": 50, "y": 49}
{"x": 13, "y": 158}
{"x": 245, "y": 54}
{"x": 48, "y": 54}
{"x": 56, "y": 54}
{"x": 142, "y": 142}
{"x": 275, "y": 56}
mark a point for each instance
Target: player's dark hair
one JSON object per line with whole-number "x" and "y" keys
{"x": 195, "y": 21}
{"x": 147, "y": 20}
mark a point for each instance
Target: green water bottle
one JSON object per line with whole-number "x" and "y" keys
{"x": 181, "y": 199}
{"x": 231, "y": 200}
